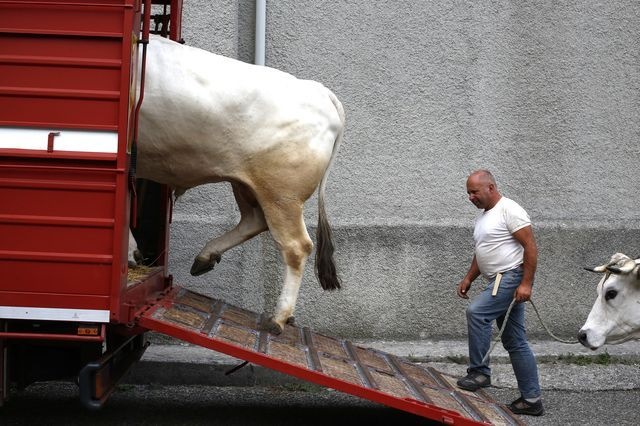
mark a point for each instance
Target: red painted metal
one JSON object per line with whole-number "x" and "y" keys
{"x": 69, "y": 64}
{"x": 175, "y": 32}
{"x": 145, "y": 42}
{"x": 50, "y": 140}
{"x": 55, "y": 336}
{"x": 142, "y": 293}
{"x": 35, "y": 92}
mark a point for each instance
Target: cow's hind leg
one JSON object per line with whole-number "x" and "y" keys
{"x": 286, "y": 224}
{"x": 252, "y": 222}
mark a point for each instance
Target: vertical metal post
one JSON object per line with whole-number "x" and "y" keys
{"x": 3, "y": 367}
{"x": 261, "y": 24}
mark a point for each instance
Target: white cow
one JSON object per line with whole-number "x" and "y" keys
{"x": 615, "y": 316}
{"x": 207, "y": 118}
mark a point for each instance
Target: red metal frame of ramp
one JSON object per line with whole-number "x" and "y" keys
{"x": 327, "y": 361}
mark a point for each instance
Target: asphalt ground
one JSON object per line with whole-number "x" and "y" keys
{"x": 580, "y": 386}
{"x": 177, "y": 384}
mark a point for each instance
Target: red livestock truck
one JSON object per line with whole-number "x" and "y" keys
{"x": 70, "y": 305}
{"x": 68, "y": 122}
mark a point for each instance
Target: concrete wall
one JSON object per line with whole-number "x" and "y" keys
{"x": 546, "y": 94}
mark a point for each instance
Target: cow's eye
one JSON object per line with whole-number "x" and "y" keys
{"x": 610, "y": 294}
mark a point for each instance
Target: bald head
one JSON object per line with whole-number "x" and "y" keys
{"x": 482, "y": 189}
{"x": 484, "y": 176}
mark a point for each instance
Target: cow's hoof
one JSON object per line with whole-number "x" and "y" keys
{"x": 200, "y": 267}
{"x": 135, "y": 259}
{"x": 271, "y": 326}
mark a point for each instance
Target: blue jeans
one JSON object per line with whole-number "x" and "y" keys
{"x": 481, "y": 313}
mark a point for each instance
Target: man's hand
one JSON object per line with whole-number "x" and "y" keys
{"x": 463, "y": 289}
{"x": 523, "y": 293}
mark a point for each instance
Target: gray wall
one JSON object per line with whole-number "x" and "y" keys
{"x": 546, "y": 94}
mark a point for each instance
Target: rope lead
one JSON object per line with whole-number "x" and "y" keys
{"x": 504, "y": 324}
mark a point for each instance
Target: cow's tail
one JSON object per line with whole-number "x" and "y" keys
{"x": 325, "y": 265}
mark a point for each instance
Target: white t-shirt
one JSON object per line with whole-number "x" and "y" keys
{"x": 496, "y": 249}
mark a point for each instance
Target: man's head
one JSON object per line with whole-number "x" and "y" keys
{"x": 482, "y": 189}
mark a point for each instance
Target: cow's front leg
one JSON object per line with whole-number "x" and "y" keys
{"x": 286, "y": 302}
{"x": 212, "y": 252}
{"x": 251, "y": 223}
{"x": 134, "y": 256}
{"x": 288, "y": 230}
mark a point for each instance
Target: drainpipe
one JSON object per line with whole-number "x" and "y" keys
{"x": 261, "y": 24}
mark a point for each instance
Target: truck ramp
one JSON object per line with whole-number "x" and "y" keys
{"x": 324, "y": 360}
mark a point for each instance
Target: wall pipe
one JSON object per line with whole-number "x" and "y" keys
{"x": 260, "y": 37}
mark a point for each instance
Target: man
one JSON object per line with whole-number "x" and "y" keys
{"x": 506, "y": 255}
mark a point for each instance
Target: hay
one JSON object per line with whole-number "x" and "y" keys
{"x": 137, "y": 273}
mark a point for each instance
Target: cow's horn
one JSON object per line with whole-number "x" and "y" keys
{"x": 601, "y": 268}
{"x": 625, "y": 268}
{"x": 615, "y": 259}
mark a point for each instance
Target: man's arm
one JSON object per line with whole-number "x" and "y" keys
{"x": 530, "y": 262}
{"x": 472, "y": 274}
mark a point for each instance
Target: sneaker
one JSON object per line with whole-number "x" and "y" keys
{"x": 522, "y": 406}
{"x": 474, "y": 381}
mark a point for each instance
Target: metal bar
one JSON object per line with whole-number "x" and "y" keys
{"x": 413, "y": 385}
{"x": 60, "y": 93}
{"x": 362, "y": 369}
{"x": 464, "y": 401}
{"x": 438, "y": 378}
{"x": 314, "y": 359}
{"x": 48, "y": 184}
{"x": 56, "y": 257}
{"x": 263, "y": 336}
{"x": 263, "y": 341}
{"x": 175, "y": 21}
{"x": 51, "y": 3}
{"x": 51, "y": 60}
{"x": 146, "y": 23}
{"x": 56, "y": 220}
{"x": 44, "y": 336}
{"x": 50, "y": 124}
{"x": 116, "y": 363}
{"x": 62, "y": 168}
{"x": 93, "y": 34}
{"x": 214, "y": 316}
{"x": 50, "y": 140}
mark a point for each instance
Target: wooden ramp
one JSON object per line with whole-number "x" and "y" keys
{"x": 324, "y": 360}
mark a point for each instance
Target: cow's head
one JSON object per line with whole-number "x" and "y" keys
{"x": 615, "y": 316}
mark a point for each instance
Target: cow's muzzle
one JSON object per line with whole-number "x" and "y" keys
{"x": 583, "y": 338}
